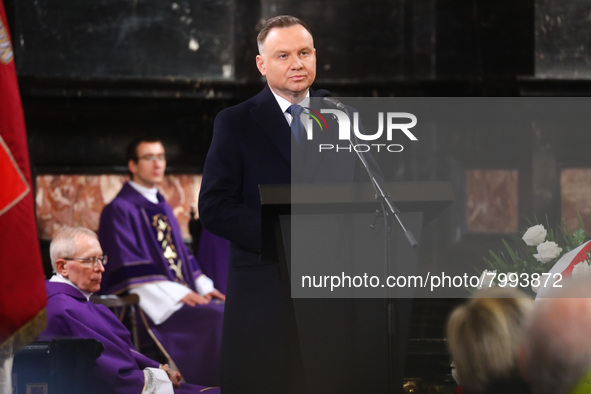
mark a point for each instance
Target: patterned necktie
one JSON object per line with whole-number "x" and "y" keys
{"x": 297, "y": 127}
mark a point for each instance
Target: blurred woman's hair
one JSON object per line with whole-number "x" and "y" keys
{"x": 484, "y": 335}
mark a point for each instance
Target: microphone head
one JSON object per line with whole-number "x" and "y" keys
{"x": 335, "y": 103}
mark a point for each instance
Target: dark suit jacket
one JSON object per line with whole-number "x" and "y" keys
{"x": 251, "y": 147}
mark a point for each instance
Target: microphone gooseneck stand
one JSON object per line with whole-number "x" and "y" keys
{"x": 380, "y": 193}
{"x": 388, "y": 211}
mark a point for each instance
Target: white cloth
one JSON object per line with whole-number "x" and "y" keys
{"x": 160, "y": 300}
{"x": 559, "y": 267}
{"x": 6, "y": 372}
{"x": 157, "y": 382}
{"x": 204, "y": 285}
{"x": 149, "y": 194}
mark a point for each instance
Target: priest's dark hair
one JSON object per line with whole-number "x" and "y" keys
{"x": 131, "y": 151}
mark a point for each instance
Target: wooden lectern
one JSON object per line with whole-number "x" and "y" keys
{"x": 348, "y": 344}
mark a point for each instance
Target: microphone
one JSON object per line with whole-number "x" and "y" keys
{"x": 380, "y": 193}
{"x": 334, "y": 102}
{"x": 327, "y": 97}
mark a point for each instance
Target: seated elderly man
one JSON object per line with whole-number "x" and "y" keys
{"x": 78, "y": 263}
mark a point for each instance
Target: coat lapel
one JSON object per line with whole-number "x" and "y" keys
{"x": 267, "y": 116}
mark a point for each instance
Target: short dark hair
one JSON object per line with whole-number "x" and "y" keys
{"x": 131, "y": 152}
{"x": 280, "y": 22}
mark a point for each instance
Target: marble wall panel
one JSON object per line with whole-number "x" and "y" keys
{"x": 492, "y": 201}
{"x": 575, "y": 197}
{"x": 77, "y": 200}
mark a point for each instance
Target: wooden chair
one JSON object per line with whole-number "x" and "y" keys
{"x": 125, "y": 308}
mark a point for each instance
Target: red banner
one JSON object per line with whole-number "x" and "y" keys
{"x": 22, "y": 286}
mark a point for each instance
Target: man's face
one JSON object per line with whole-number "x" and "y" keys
{"x": 288, "y": 60}
{"x": 149, "y": 169}
{"x": 84, "y": 275}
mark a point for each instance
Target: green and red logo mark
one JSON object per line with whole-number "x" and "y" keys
{"x": 317, "y": 118}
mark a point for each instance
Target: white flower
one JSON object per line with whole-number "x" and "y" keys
{"x": 547, "y": 251}
{"x": 535, "y": 235}
{"x": 581, "y": 269}
{"x": 487, "y": 279}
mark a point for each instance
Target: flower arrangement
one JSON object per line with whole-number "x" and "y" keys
{"x": 533, "y": 255}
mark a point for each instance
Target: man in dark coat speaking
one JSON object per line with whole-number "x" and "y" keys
{"x": 252, "y": 146}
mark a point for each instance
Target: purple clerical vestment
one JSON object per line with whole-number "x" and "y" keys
{"x": 213, "y": 256}
{"x": 119, "y": 369}
{"x": 144, "y": 243}
{"x": 128, "y": 236}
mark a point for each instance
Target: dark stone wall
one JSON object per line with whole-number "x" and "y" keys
{"x": 562, "y": 37}
{"x": 95, "y": 74}
{"x": 117, "y": 39}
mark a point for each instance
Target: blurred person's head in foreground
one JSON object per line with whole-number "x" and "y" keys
{"x": 484, "y": 336}
{"x": 556, "y": 356}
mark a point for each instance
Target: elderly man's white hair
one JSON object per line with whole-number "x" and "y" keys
{"x": 557, "y": 345}
{"x": 63, "y": 243}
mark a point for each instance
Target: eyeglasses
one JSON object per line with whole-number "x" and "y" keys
{"x": 160, "y": 157}
{"x": 93, "y": 261}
